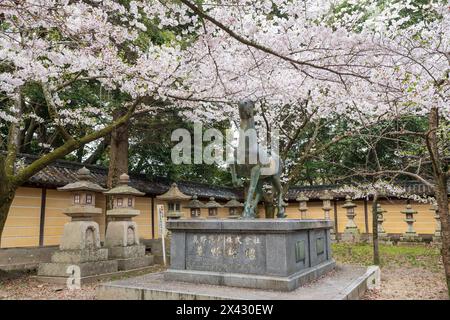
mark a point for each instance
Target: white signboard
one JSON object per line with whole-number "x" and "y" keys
{"x": 162, "y": 228}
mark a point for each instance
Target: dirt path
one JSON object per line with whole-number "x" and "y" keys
{"x": 408, "y": 283}
{"x": 22, "y": 286}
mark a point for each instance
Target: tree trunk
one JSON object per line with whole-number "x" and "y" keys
{"x": 376, "y": 251}
{"x": 98, "y": 153}
{"x": 118, "y": 158}
{"x": 118, "y": 154}
{"x": 443, "y": 210}
{"x": 441, "y": 192}
{"x": 6, "y": 199}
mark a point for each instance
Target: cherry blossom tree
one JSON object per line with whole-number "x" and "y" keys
{"x": 413, "y": 39}
{"x": 58, "y": 46}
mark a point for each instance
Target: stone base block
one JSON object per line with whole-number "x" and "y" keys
{"x": 251, "y": 281}
{"x": 127, "y": 252}
{"x": 351, "y": 236}
{"x": 121, "y": 233}
{"x": 80, "y": 235}
{"x": 135, "y": 263}
{"x": 410, "y": 238}
{"x": 94, "y": 278}
{"x": 437, "y": 239}
{"x": 273, "y": 254}
{"x": 79, "y": 256}
{"x": 86, "y": 268}
{"x": 347, "y": 282}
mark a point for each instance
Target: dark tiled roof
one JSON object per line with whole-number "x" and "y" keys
{"x": 315, "y": 192}
{"x": 62, "y": 172}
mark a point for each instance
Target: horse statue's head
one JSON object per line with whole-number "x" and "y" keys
{"x": 246, "y": 108}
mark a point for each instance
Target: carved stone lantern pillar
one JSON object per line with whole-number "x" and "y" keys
{"x": 303, "y": 205}
{"x": 380, "y": 219}
{"x": 326, "y": 207}
{"x": 195, "y": 205}
{"x": 80, "y": 243}
{"x": 122, "y": 236}
{"x": 234, "y": 208}
{"x": 351, "y": 232}
{"x": 437, "y": 232}
{"x": 212, "y": 207}
{"x": 410, "y": 234}
{"x": 174, "y": 197}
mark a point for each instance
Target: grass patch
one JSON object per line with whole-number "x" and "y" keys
{"x": 422, "y": 256}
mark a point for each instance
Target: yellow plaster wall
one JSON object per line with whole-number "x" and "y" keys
{"x": 144, "y": 220}
{"x": 22, "y": 225}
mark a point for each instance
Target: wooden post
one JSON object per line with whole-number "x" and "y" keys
{"x": 42, "y": 216}
{"x": 366, "y": 214}
{"x": 153, "y": 217}
{"x": 335, "y": 219}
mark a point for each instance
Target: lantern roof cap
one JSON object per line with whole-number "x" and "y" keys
{"x": 233, "y": 203}
{"x": 124, "y": 188}
{"x": 212, "y": 203}
{"x": 83, "y": 183}
{"x": 326, "y": 196}
{"x": 173, "y": 194}
{"x": 380, "y": 209}
{"x": 348, "y": 202}
{"x": 302, "y": 197}
{"x": 409, "y": 209}
{"x": 195, "y": 203}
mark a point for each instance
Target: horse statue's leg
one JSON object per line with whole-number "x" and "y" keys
{"x": 249, "y": 211}
{"x": 258, "y": 195}
{"x": 277, "y": 186}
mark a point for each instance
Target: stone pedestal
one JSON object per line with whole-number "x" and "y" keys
{"x": 351, "y": 232}
{"x": 410, "y": 235}
{"x": 80, "y": 246}
{"x": 272, "y": 254}
{"x": 80, "y": 254}
{"x": 122, "y": 237}
{"x": 437, "y": 237}
{"x": 123, "y": 244}
{"x": 351, "y": 235}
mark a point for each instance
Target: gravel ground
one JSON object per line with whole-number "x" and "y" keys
{"x": 407, "y": 283}
{"x": 407, "y": 273}
{"x": 22, "y": 286}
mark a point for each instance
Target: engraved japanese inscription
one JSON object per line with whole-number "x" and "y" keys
{"x": 300, "y": 251}
{"x": 320, "y": 245}
{"x": 226, "y": 252}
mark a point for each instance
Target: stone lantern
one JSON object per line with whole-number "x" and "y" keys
{"x": 195, "y": 205}
{"x": 122, "y": 237}
{"x": 380, "y": 220}
{"x": 234, "y": 208}
{"x": 213, "y": 207}
{"x": 437, "y": 232}
{"x": 326, "y": 207}
{"x": 410, "y": 234}
{"x": 303, "y": 206}
{"x": 351, "y": 232}
{"x": 80, "y": 243}
{"x": 174, "y": 197}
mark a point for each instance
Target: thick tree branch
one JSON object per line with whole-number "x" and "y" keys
{"x": 260, "y": 47}
{"x": 69, "y": 146}
{"x": 52, "y": 111}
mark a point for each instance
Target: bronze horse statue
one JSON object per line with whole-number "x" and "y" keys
{"x": 258, "y": 172}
